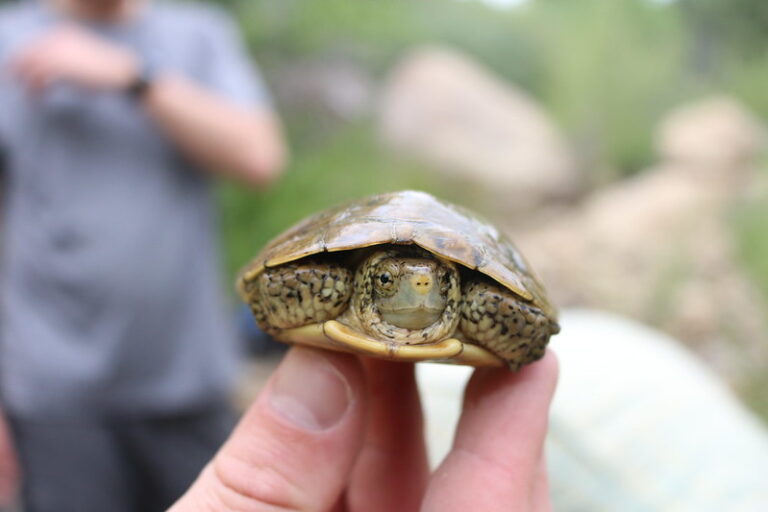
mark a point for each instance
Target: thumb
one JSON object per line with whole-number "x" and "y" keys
{"x": 295, "y": 447}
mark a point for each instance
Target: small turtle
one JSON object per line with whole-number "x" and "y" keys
{"x": 401, "y": 276}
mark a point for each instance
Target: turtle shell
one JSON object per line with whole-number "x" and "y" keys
{"x": 407, "y": 217}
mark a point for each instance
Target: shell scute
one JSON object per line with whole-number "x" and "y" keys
{"x": 448, "y": 231}
{"x": 353, "y": 235}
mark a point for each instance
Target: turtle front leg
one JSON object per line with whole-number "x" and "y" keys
{"x": 298, "y": 294}
{"x": 503, "y": 323}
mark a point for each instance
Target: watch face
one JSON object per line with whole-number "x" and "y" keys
{"x": 139, "y": 87}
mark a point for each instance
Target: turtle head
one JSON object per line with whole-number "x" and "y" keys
{"x": 406, "y": 291}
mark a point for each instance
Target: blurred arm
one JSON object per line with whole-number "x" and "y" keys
{"x": 9, "y": 470}
{"x": 243, "y": 143}
{"x": 238, "y": 139}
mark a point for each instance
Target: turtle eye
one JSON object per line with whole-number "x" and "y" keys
{"x": 384, "y": 279}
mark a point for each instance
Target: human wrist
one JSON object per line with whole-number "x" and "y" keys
{"x": 140, "y": 81}
{"x": 126, "y": 67}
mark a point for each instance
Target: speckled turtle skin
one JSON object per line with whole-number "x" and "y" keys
{"x": 502, "y": 309}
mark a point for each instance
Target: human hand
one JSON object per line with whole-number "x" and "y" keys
{"x": 71, "y": 54}
{"x": 331, "y": 433}
{"x": 9, "y": 470}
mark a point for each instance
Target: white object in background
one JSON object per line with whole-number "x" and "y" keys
{"x": 637, "y": 424}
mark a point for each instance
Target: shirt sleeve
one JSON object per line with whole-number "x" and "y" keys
{"x": 231, "y": 71}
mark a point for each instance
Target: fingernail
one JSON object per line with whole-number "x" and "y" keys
{"x": 309, "y": 391}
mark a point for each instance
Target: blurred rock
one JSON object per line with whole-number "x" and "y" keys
{"x": 657, "y": 247}
{"x": 637, "y": 423}
{"x": 449, "y": 112}
{"x": 716, "y": 135}
{"x": 331, "y": 89}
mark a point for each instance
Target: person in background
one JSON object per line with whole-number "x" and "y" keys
{"x": 116, "y": 350}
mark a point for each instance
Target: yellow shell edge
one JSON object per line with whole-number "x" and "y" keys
{"x": 334, "y": 335}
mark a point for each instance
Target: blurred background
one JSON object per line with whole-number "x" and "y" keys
{"x": 619, "y": 142}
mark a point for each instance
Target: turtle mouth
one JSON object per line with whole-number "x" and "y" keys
{"x": 418, "y": 317}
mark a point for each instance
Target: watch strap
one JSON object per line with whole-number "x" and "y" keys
{"x": 140, "y": 85}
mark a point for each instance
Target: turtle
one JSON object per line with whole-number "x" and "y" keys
{"x": 401, "y": 276}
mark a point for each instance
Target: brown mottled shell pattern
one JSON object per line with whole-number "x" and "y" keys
{"x": 408, "y": 218}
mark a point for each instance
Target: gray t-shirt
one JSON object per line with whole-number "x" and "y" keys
{"x": 110, "y": 299}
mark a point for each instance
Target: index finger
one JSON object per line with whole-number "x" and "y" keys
{"x": 391, "y": 470}
{"x": 496, "y": 460}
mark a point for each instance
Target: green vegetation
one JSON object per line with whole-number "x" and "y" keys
{"x": 750, "y": 227}
{"x": 607, "y": 70}
{"x": 345, "y": 167}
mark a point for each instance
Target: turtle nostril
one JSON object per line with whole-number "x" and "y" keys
{"x": 421, "y": 283}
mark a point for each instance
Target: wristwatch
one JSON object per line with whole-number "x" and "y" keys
{"x": 139, "y": 87}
